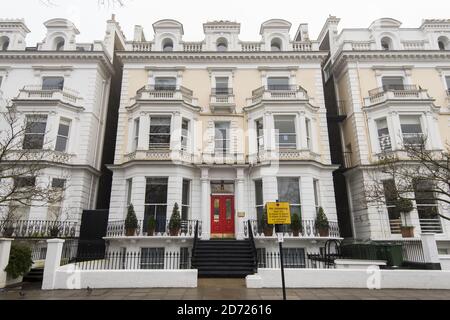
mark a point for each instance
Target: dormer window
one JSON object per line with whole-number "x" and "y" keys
{"x": 443, "y": 43}
{"x": 386, "y": 43}
{"x": 167, "y": 45}
{"x": 4, "y": 43}
{"x": 59, "y": 44}
{"x": 222, "y": 44}
{"x": 276, "y": 45}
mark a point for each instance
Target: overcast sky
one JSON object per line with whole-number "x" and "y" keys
{"x": 90, "y": 17}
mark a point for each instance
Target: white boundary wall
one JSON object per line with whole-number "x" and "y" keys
{"x": 371, "y": 278}
{"x": 68, "y": 277}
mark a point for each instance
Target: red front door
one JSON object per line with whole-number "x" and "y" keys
{"x": 222, "y": 216}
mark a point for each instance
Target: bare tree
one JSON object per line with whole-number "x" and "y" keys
{"x": 22, "y": 166}
{"x": 418, "y": 174}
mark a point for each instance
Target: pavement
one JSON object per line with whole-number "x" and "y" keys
{"x": 218, "y": 289}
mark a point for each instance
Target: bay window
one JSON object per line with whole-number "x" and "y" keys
{"x": 289, "y": 191}
{"x": 285, "y": 132}
{"x": 136, "y": 134}
{"x": 259, "y": 201}
{"x": 411, "y": 130}
{"x": 384, "y": 138}
{"x": 184, "y": 134}
{"x": 159, "y": 132}
{"x": 259, "y": 134}
{"x": 156, "y": 202}
{"x": 63, "y": 135}
{"x": 35, "y": 132}
{"x": 308, "y": 134}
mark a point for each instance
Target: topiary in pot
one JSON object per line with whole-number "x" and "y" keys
{"x": 131, "y": 222}
{"x": 296, "y": 225}
{"x": 20, "y": 261}
{"x": 267, "y": 228}
{"x": 322, "y": 225}
{"x": 175, "y": 221}
{"x": 151, "y": 226}
{"x": 405, "y": 206}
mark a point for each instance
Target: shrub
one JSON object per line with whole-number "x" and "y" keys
{"x": 20, "y": 261}
{"x": 403, "y": 205}
{"x": 296, "y": 223}
{"x": 151, "y": 224}
{"x": 321, "y": 220}
{"x": 131, "y": 221}
{"x": 175, "y": 219}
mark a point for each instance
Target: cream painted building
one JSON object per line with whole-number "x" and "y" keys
{"x": 221, "y": 127}
{"x": 393, "y": 85}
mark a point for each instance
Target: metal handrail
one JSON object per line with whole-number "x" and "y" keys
{"x": 194, "y": 247}
{"x": 252, "y": 241}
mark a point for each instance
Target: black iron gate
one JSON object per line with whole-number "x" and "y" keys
{"x": 93, "y": 228}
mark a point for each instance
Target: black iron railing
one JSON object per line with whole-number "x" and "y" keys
{"x": 39, "y": 229}
{"x": 307, "y": 230}
{"x": 294, "y": 260}
{"x": 187, "y": 229}
{"x": 252, "y": 241}
{"x": 134, "y": 261}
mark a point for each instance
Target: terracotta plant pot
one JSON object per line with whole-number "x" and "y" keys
{"x": 268, "y": 232}
{"x": 151, "y": 232}
{"x": 130, "y": 232}
{"x": 174, "y": 232}
{"x": 296, "y": 232}
{"x": 407, "y": 232}
{"x": 324, "y": 232}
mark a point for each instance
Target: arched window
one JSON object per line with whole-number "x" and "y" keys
{"x": 386, "y": 43}
{"x": 167, "y": 45}
{"x": 59, "y": 44}
{"x": 222, "y": 44}
{"x": 276, "y": 44}
{"x": 443, "y": 43}
{"x": 4, "y": 43}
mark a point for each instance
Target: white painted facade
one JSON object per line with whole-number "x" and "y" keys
{"x": 82, "y": 102}
{"x": 198, "y": 162}
{"x": 360, "y": 60}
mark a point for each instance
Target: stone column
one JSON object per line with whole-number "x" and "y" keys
{"x": 51, "y": 131}
{"x": 205, "y": 203}
{"x": 5, "y": 249}
{"x": 175, "y": 144}
{"x": 52, "y": 263}
{"x": 302, "y": 144}
{"x": 240, "y": 203}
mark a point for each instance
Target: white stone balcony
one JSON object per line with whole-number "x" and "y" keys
{"x": 395, "y": 93}
{"x": 278, "y": 93}
{"x": 222, "y": 100}
{"x": 162, "y": 155}
{"x": 166, "y": 93}
{"x": 223, "y": 158}
{"x": 284, "y": 155}
{"x": 36, "y": 92}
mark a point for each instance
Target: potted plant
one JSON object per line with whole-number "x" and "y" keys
{"x": 8, "y": 230}
{"x": 175, "y": 221}
{"x": 322, "y": 225}
{"x": 54, "y": 231}
{"x": 296, "y": 225}
{"x": 151, "y": 226}
{"x": 131, "y": 222}
{"x": 403, "y": 207}
{"x": 267, "y": 228}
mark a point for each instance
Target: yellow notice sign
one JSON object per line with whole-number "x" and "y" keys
{"x": 278, "y": 213}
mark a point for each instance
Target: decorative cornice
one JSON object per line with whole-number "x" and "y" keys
{"x": 345, "y": 57}
{"x": 59, "y": 55}
{"x": 136, "y": 56}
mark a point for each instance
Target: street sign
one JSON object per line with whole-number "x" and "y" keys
{"x": 278, "y": 213}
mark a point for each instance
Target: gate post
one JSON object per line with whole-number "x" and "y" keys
{"x": 5, "y": 249}
{"x": 52, "y": 263}
{"x": 430, "y": 250}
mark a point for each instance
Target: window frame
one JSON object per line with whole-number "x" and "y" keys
{"x": 185, "y": 134}
{"x": 59, "y": 136}
{"x": 160, "y": 146}
{"x": 154, "y": 261}
{"x": 260, "y": 141}
{"x": 163, "y": 206}
{"x": 227, "y": 138}
{"x": 186, "y": 206}
{"x": 38, "y": 118}
{"x": 136, "y": 130}
{"x": 59, "y": 86}
{"x": 284, "y": 146}
{"x": 297, "y": 205}
{"x": 164, "y": 83}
